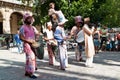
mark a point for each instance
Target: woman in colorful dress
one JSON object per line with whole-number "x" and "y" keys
{"x": 27, "y": 35}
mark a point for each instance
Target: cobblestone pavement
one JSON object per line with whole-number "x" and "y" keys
{"x": 106, "y": 67}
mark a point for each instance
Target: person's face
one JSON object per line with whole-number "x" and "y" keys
{"x": 18, "y": 32}
{"x": 50, "y": 27}
{"x": 53, "y": 6}
{"x": 79, "y": 24}
{"x": 29, "y": 20}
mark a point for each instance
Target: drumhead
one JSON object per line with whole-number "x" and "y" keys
{"x": 80, "y": 37}
{"x": 36, "y": 44}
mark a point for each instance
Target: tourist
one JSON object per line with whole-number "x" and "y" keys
{"x": 18, "y": 42}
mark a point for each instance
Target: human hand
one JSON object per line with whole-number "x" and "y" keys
{"x": 32, "y": 41}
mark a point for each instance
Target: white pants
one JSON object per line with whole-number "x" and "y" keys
{"x": 63, "y": 56}
{"x": 89, "y": 61}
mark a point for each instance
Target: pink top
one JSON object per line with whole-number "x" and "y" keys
{"x": 27, "y": 31}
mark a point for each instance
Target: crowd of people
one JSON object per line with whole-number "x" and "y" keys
{"x": 85, "y": 35}
{"x": 106, "y": 39}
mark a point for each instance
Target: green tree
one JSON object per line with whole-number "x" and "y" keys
{"x": 112, "y": 13}
{"x": 103, "y": 11}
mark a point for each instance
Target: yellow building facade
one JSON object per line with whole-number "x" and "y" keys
{"x": 11, "y": 13}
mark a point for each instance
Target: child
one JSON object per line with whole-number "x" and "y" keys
{"x": 59, "y": 14}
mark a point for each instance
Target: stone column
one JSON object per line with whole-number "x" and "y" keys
{"x": 6, "y": 23}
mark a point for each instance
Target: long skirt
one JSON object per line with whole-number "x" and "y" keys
{"x": 30, "y": 59}
{"x": 63, "y": 56}
{"x": 51, "y": 55}
{"x": 89, "y": 62}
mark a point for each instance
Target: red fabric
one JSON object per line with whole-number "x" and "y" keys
{"x": 118, "y": 36}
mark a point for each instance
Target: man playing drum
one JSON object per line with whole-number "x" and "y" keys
{"x": 78, "y": 36}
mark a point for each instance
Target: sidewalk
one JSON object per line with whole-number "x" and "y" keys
{"x": 106, "y": 67}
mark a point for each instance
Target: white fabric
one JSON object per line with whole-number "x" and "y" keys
{"x": 89, "y": 62}
{"x": 49, "y": 34}
{"x": 63, "y": 56}
{"x": 51, "y": 11}
{"x": 80, "y": 36}
{"x": 49, "y": 24}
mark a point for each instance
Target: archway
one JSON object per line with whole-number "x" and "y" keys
{"x": 15, "y": 21}
{"x": 1, "y": 23}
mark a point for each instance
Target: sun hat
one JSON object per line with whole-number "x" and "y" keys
{"x": 78, "y": 19}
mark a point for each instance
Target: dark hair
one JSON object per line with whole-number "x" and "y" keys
{"x": 27, "y": 21}
{"x": 90, "y": 25}
{"x": 18, "y": 28}
{"x": 82, "y": 23}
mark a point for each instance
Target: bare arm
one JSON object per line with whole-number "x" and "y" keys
{"x": 25, "y": 40}
{"x": 87, "y": 30}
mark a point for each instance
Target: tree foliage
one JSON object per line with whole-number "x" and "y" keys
{"x": 103, "y": 11}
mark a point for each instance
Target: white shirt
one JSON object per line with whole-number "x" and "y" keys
{"x": 49, "y": 34}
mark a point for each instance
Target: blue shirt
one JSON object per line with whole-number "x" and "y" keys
{"x": 17, "y": 39}
{"x": 58, "y": 34}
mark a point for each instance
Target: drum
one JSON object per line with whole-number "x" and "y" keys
{"x": 35, "y": 44}
{"x": 80, "y": 37}
{"x": 40, "y": 49}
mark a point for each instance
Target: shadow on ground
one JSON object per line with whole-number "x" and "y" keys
{"x": 15, "y": 70}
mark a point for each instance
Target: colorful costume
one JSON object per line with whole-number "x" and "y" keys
{"x": 29, "y": 33}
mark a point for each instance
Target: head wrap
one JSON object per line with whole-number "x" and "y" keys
{"x": 26, "y": 15}
{"x": 78, "y": 19}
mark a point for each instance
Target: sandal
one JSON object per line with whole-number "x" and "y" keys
{"x": 30, "y": 75}
{"x": 33, "y": 76}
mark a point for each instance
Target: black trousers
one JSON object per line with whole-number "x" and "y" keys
{"x": 103, "y": 39}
